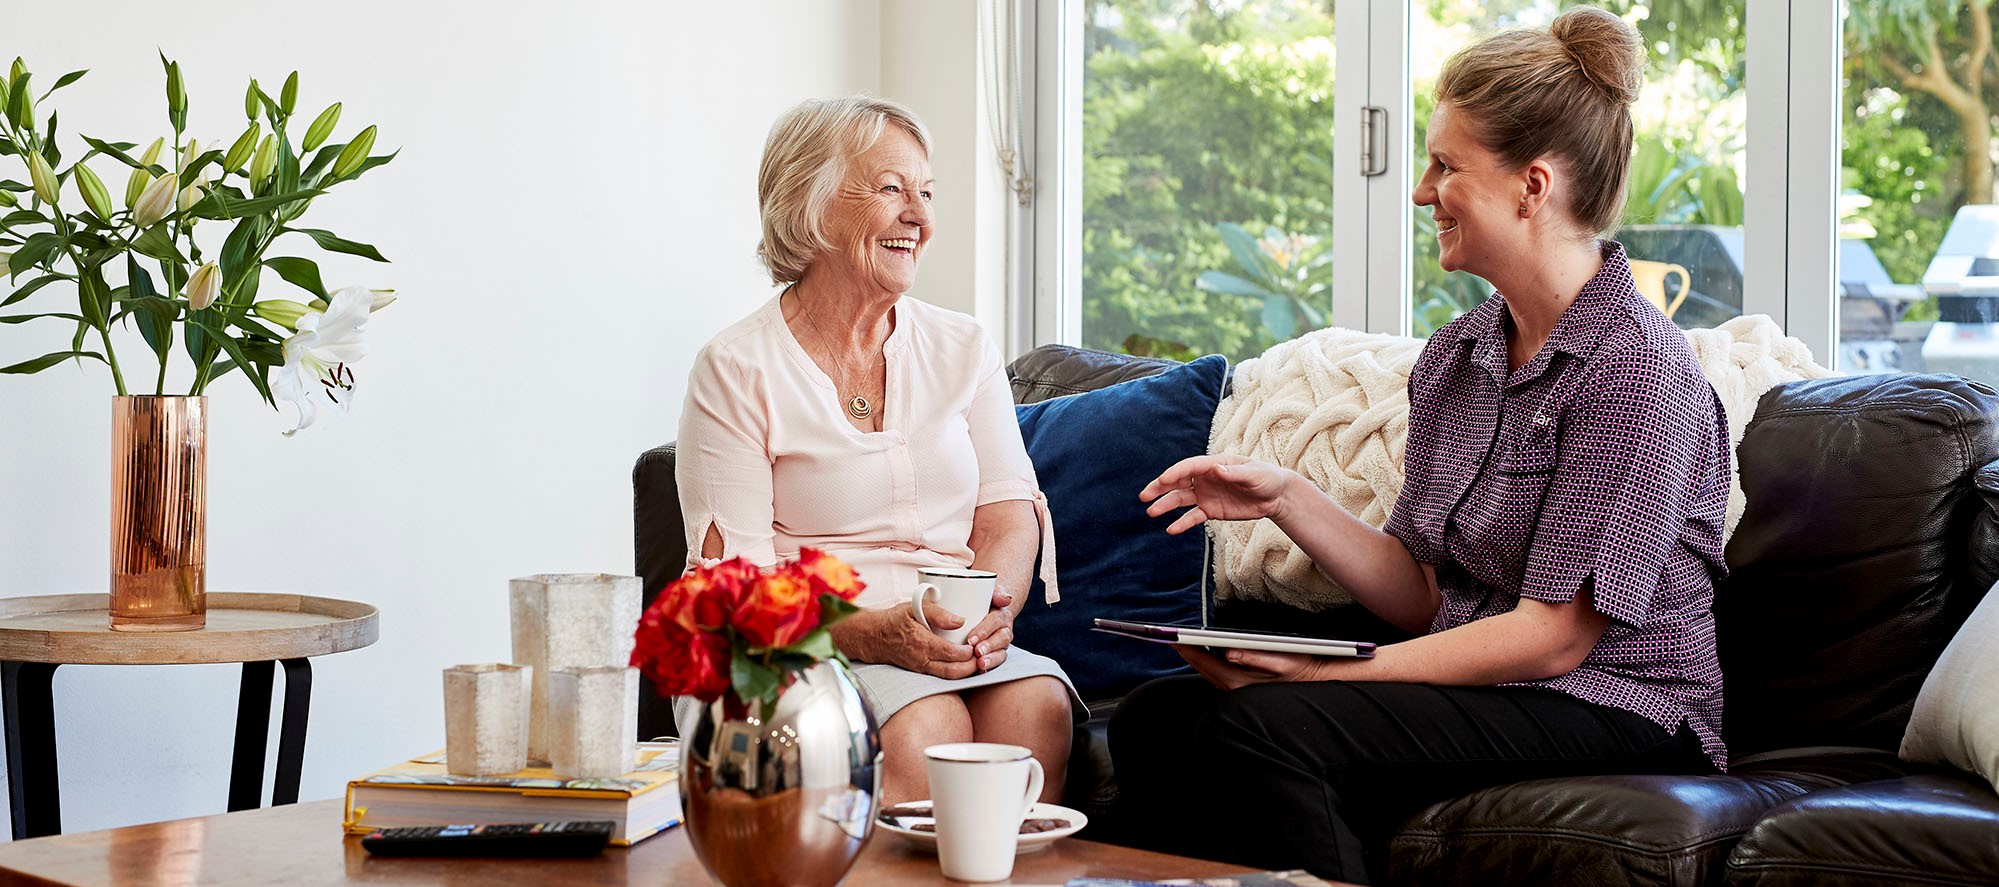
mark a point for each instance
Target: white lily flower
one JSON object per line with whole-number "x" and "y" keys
{"x": 316, "y": 358}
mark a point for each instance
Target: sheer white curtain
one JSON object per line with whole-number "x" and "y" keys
{"x": 1006, "y": 79}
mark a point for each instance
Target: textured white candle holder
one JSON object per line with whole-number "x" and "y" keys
{"x": 580, "y": 620}
{"x": 593, "y": 723}
{"x": 486, "y": 718}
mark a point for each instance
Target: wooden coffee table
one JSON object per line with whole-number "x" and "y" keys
{"x": 302, "y": 845}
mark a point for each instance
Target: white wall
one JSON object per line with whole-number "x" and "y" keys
{"x": 572, "y": 214}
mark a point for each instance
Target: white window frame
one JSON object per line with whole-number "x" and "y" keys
{"x": 1790, "y": 240}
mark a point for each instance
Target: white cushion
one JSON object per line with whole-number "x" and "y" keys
{"x": 1956, "y": 720}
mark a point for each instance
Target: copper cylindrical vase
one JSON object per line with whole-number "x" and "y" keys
{"x": 159, "y": 513}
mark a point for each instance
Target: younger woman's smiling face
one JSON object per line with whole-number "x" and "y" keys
{"x": 1474, "y": 198}
{"x": 880, "y": 222}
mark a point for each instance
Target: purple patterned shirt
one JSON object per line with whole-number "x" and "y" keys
{"x": 1603, "y": 460}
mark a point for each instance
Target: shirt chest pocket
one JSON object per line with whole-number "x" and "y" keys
{"x": 1533, "y": 453}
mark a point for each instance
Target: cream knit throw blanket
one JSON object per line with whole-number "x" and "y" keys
{"x": 1333, "y": 405}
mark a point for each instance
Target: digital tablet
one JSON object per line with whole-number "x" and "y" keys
{"x": 1237, "y": 638}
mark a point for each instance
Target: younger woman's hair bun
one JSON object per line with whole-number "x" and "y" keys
{"x": 1606, "y": 48}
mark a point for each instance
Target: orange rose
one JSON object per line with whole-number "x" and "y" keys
{"x": 779, "y": 610}
{"x": 829, "y": 574}
{"x": 703, "y": 599}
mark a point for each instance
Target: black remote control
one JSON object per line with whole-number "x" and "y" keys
{"x": 511, "y": 839}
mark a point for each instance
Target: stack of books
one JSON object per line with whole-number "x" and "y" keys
{"x": 421, "y": 791}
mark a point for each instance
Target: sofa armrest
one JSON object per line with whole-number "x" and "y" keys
{"x": 1057, "y": 370}
{"x": 659, "y": 553}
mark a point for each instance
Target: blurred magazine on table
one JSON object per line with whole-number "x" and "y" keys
{"x": 422, "y": 791}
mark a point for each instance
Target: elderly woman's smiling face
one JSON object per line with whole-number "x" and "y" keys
{"x": 880, "y": 222}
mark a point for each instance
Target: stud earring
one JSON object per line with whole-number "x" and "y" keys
{"x": 1523, "y": 209}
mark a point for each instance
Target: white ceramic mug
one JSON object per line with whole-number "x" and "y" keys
{"x": 979, "y": 793}
{"x": 968, "y": 593}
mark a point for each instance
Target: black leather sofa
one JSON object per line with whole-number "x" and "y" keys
{"x": 1872, "y": 530}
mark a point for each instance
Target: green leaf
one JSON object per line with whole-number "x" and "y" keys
{"x": 331, "y": 242}
{"x": 35, "y": 250}
{"x": 65, "y": 80}
{"x": 750, "y": 678}
{"x": 24, "y": 318}
{"x": 1278, "y": 319}
{"x": 17, "y": 102}
{"x": 220, "y": 369}
{"x": 1229, "y": 284}
{"x": 236, "y": 253}
{"x": 93, "y": 295}
{"x": 818, "y": 644}
{"x": 217, "y": 206}
{"x": 1248, "y": 253}
{"x": 302, "y": 273}
{"x": 235, "y": 350}
{"x": 25, "y": 217}
{"x": 48, "y": 360}
{"x": 112, "y": 150}
{"x": 156, "y": 325}
{"x": 28, "y": 289}
{"x": 158, "y": 243}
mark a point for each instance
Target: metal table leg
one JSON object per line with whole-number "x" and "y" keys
{"x": 291, "y": 731}
{"x": 27, "y": 694}
{"x": 253, "y": 719}
{"x": 253, "y": 727}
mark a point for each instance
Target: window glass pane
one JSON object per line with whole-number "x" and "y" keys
{"x": 1919, "y": 238}
{"x": 1207, "y": 174}
{"x": 1683, "y": 218}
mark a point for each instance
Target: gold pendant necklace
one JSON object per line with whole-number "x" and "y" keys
{"x": 858, "y": 405}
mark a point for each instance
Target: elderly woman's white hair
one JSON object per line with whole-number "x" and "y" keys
{"x": 805, "y": 158}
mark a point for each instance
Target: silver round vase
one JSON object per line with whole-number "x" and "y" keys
{"x": 785, "y": 797}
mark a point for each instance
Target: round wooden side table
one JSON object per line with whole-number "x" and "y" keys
{"x": 39, "y": 634}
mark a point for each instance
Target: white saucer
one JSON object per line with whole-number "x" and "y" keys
{"x": 924, "y": 840}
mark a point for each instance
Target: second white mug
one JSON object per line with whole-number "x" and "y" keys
{"x": 968, "y": 593}
{"x": 979, "y": 793}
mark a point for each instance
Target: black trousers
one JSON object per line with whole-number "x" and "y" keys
{"x": 1318, "y": 775}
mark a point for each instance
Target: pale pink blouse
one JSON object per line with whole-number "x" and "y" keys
{"x": 767, "y": 456}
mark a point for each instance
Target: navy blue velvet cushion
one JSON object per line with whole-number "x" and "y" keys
{"x": 1093, "y": 452}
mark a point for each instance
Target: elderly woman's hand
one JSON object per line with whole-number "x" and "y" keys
{"x": 994, "y": 634}
{"x": 892, "y": 636}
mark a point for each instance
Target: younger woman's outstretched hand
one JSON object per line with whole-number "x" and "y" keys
{"x": 1217, "y": 488}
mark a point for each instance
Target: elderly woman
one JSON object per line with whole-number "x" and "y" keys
{"x": 842, "y": 416}
{"x": 1557, "y": 541}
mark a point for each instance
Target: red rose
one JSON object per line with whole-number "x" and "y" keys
{"x": 829, "y": 574}
{"x": 779, "y": 610}
{"x": 703, "y": 599}
{"x": 681, "y": 662}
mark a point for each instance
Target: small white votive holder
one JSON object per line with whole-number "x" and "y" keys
{"x": 486, "y": 718}
{"x": 570, "y": 619}
{"x": 593, "y": 722}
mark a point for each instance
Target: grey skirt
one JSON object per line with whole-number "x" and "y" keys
{"x": 888, "y": 688}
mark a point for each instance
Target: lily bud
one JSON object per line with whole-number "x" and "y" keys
{"x": 176, "y": 90}
{"x": 356, "y": 153}
{"x": 152, "y": 154}
{"x": 43, "y": 177}
{"x": 156, "y": 201}
{"x": 250, "y": 103}
{"x": 7, "y": 198}
{"x": 135, "y": 185}
{"x": 383, "y": 299}
{"x": 188, "y": 154}
{"x": 239, "y": 153}
{"x": 20, "y": 67}
{"x": 266, "y": 160}
{"x": 289, "y": 97}
{"x": 7, "y": 264}
{"x": 283, "y": 312}
{"x": 322, "y": 126}
{"x": 201, "y": 286}
{"x": 92, "y": 188}
{"x": 189, "y": 196}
